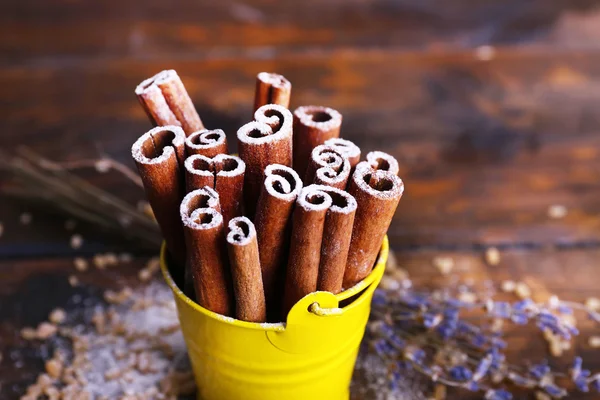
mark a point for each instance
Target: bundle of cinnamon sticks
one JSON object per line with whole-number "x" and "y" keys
{"x": 295, "y": 212}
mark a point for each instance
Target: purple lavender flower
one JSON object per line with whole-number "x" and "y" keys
{"x": 460, "y": 373}
{"x": 519, "y": 318}
{"x": 554, "y": 390}
{"x": 472, "y": 386}
{"x": 497, "y": 394}
{"x": 502, "y": 309}
{"x": 483, "y": 367}
{"x": 595, "y": 382}
{"x": 538, "y": 371}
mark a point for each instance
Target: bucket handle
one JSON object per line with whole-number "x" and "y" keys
{"x": 316, "y": 309}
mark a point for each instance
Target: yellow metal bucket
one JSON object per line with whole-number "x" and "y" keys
{"x": 310, "y": 357}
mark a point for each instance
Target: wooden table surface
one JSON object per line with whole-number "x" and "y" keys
{"x": 488, "y": 138}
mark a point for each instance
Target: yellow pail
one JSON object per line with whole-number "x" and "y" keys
{"x": 310, "y": 357}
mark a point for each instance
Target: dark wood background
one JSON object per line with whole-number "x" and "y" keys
{"x": 487, "y": 141}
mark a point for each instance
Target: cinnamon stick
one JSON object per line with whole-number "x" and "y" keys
{"x": 206, "y": 142}
{"x": 158, "y": 155}
{"x": 272, "y": 88}
{"x": 348, "y": 149}
{"x": 305, "y": 246}
{"x": 377, "y": 193}
{"x": 245, "y": 269}
{"x": 321, "y": 233}
{"x": 267, "y": 140}
{"x": 337, "y": 233}
{"x": 327, "y": 166}
{"x": 207, "y": 258}
{"x": 224, "y": 173}
{"x": 313, "y": 125}
{"x": 273, "y": 222}
{"x": 383, "y": 161}
{"x": 166, "y": 102}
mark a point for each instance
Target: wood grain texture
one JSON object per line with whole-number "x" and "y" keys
{"x": 487, "y": 139}
{"x": 484, "y": 147}
{"x": 259, "y": 28}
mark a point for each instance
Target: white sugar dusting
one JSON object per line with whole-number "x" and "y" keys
{"x": 221, "y": 159}
{"x": 147, "y": 85}
{"x": 241, "y": 231}
{"x": 263, "y": 124}
{"x": 204, "y": 219}
{"x": 168, "y": 75}
{"x": 190, "y": 210}
{"x": 167, "y": 151}
{"x": 314, "y": 192}
{"x": 328, "y": 195}
{"x": 334, "y": 166}
{"x": 285, "y": 178}
{"x": 363, "y": 170}
{"x": 383, "y": 161}
{"x": 205, "y": 139}
{"x": 198, "y": 164}
{"x": 344, "y": 146}
{"x": 276, "y": 80}
{"x": 311, "y": 116}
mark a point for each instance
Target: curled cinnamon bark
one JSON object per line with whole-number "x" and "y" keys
{"x": 272, "y": 89}
{"x": 166, "y": 102}
{"x": 313, "y": 125}
{"x": 245, "y": 269}
{"x": 377, "y": 194}
{"x": 305, "y": 247}
{"x": 383, "y": 161}
{"x": 225, "y": 174}
{"x": 267, "y": 140}
{"x": 159, "y": 155}
{"x": 206, "y": 251}
{"x": 206, "y": 142}
{"x": 273, "y": 221}
{"x": 327, "y": 166}
{"x": 347, "y": 148}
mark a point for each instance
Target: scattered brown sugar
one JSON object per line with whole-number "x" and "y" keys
{"x": 593, "y": 303}
{"x": 508, "y": 286}
{"x": 28, "y": 333}
{"x": 46, "y": 330}
{"x": 81, "y": 264}
{"x": 150, "y": 270}
{"x": 118, "y": 297}
{"x": 594, "y": 342}
{"x": 557, "y": 211}
{"x": 522, "y": 290}
{"x": 57, "y": 316}
{"x": 492, "y": 256}
{"x": 444, "y": 264}
{"x": 54, "y": 368}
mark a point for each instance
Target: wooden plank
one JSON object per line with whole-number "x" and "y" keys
{"x": 60, "y": 32}
{"x": 485, "y": 147}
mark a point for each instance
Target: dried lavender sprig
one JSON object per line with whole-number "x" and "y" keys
{"x": 32, "y": 180}
{"x": 424, "y": 311}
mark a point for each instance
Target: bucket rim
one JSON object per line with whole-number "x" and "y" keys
{"x": 372, "y": 278}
